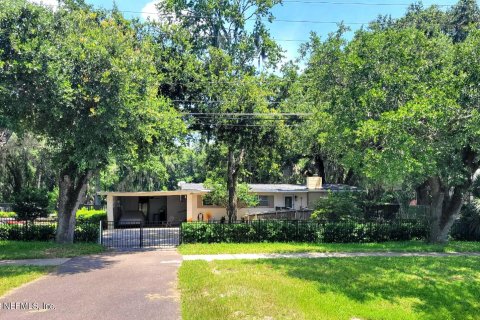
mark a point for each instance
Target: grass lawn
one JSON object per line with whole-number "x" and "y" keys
{"x": 14, "y": 276}
{"x": 37, "y": 249}
{"x": 409, "y": 246}
{"x": 347, "y": 288}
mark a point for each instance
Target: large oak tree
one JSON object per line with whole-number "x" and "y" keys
{"x": 231, "y": 40}
{"x": 400, "y": 105}
{"x": 85, "y": 81}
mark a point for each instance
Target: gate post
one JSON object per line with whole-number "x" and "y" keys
{"x": 180, "y": 233}
{"x": 141, "y": 234}
{"x": 100, "y": 234}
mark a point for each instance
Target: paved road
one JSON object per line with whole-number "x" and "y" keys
{"x": 118, "y": 285}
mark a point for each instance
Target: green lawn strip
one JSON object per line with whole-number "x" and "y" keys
{"x": 349, "y": 288}
{"x": 14, "y": 276}
{"x": 38, "y": 250}
{"x": 410, "y": 246}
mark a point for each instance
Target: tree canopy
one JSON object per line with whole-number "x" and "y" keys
{"x": 202, "y": 92}
{"x": 83, "y": 80}
{"x": 399, "y": 105}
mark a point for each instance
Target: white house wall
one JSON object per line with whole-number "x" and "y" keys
{"x": 194, "y": 206}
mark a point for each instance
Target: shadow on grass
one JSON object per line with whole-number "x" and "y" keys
{"x": 443, "y": 287}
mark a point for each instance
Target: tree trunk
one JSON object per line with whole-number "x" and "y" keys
{"x": 444, "y": 210}
{"x": 233, "y": 167}
{"x": 320, "y": 167}
{"x": 72, "y": 189}
{"x": 422, "y": 194}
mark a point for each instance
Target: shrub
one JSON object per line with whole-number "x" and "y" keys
{"x": 304, "y": 231}
{"x": 338, "y": 206}
{"x": 91, "y": 216}
{"x": 84, "y": 232}
{"x": 468, "y": 226}
{"x": 31, "y": 204}
{"x": 7, "y": 214}
{"x": 27, "y": 232}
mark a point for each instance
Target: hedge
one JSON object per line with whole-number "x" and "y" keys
{"x": 84, "y": 232}
{"x": 303, "y": 231}
{"x": 4, "y": 214}
{"x": 93, "y": 216}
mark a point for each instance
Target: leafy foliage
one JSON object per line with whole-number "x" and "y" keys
{"x": 84, "y": 232}
{"x": 397, "y": 104}
{"x": 93, "y": 79}
{"x": 338, "y": 206}
{"x": 7, "y": 214}
{"x": 25, "y": 162}
{"x": 91, "y": 216}
{"x": 218, "y": 194}
{"x": 468, "y": 226}
{"x": 31, "y": 204}
{"x": 303, "y": 231}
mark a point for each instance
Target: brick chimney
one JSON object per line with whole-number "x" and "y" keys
{"x": 314, "y": 182}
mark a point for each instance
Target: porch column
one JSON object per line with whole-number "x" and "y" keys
{"x": 110, "y": 204}
{"x": 190, "y": 206}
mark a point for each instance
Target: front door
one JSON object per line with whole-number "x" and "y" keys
{"x": 289, "y": 202}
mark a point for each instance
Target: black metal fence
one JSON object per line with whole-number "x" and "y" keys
{"x": 140, "y": 235}
{"x": 92, "y": 206}
{"x": 304, "y": 231}
{"x": 44, "y": 230}
{"x": 136, "y": 234}
{"x": 304, "y": 214}
{"x": 6, "y": 207}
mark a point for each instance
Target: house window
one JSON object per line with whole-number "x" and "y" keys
{"x": 263, "y": 201}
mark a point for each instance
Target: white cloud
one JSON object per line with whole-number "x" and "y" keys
{"x": 150, "y": 11}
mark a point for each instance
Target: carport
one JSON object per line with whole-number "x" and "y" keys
{"x": 167, "y": 208}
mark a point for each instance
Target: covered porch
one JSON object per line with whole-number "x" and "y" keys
{"x": 155, "y": 208}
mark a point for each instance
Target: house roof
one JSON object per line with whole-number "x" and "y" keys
{"x": 181, "y": 192}
{"x": 274, "y": 187}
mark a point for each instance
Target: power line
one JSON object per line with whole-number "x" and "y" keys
{"x": 244, "y": 125}
{"x": 217, "y": 101}
{"x": 248, "y": 114}
{"x": 266, "y": 20}
{"x": 247, "y": 119}
{"x": 250, "y": 19}
{"x": 359, "y": 3}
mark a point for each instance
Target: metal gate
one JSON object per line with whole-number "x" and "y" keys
{"x": 140, "y": 235}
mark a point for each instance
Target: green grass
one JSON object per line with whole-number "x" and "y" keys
{"x": 14, "y": 276}
{"x": 347, "y": 288}
{"x": 410, "y": 246}
{"x": 38, "y": 250}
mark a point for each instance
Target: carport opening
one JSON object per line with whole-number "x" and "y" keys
{"x": 153, "y": 210}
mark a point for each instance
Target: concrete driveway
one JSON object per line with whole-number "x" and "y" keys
{"x": 117, "y": 285}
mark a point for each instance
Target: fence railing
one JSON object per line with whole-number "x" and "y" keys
{"x": 139, "y": 234}
{"x": 44, "y": 230}
{"x": 6, "y": 207}
{"x": 93, "y": 206}
{"x": 281, "y": 215}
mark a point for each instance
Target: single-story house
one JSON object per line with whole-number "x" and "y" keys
{"x": 189, "y": 204}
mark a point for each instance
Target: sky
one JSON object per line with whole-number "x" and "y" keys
{"x": 291, "y": 34}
